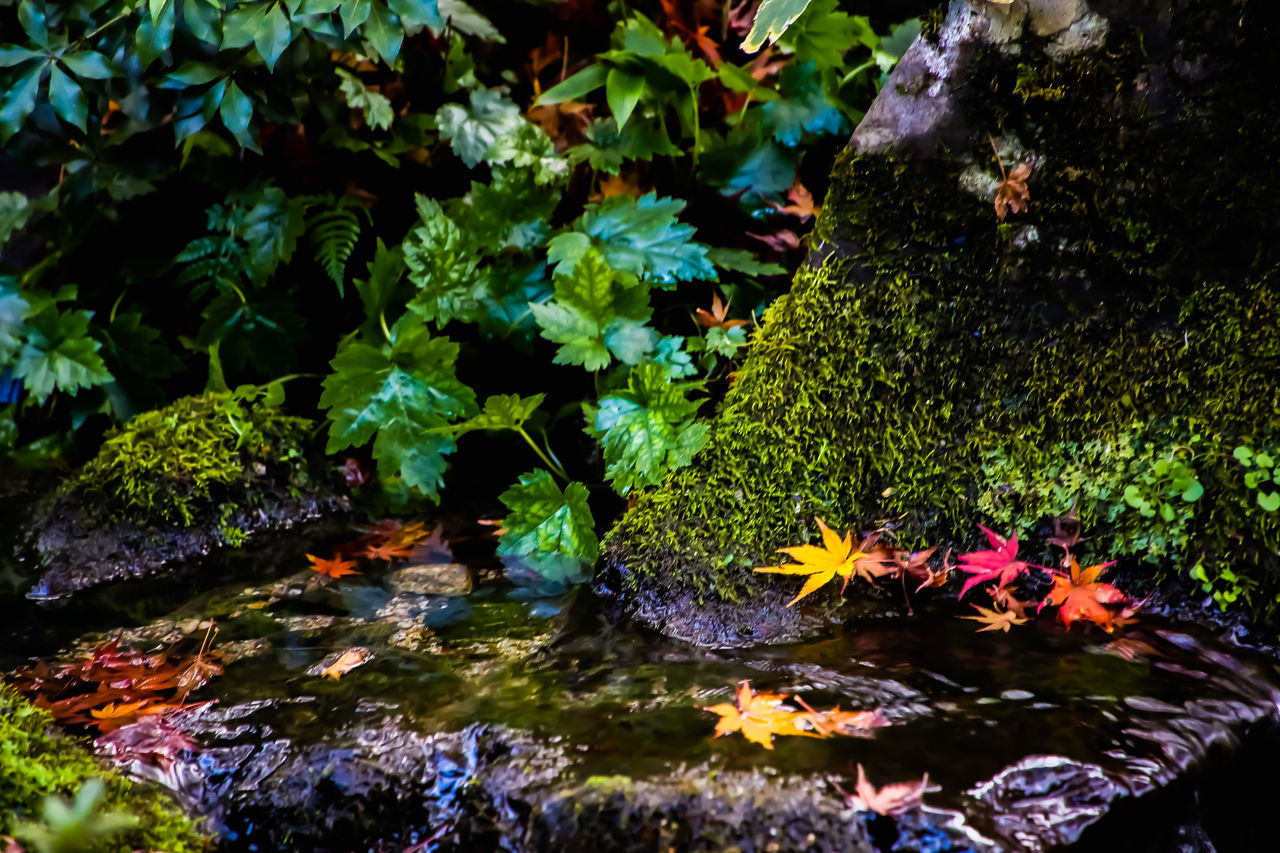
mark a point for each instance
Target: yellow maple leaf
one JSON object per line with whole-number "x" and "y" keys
{"x": 759, "y": 716}
{"x": 996, "y": 620}
{"x": 837, "y": 556}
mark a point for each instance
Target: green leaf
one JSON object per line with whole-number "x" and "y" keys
{"x": 726, "y": 342}
{"x": 772, "y": 19}
{"x": 378, "y": 291}
{"x": 19, "y": 99}
{"x": 1193, "y": 492}
{"x": 528, "y": 148}
{"x": 647, "y": 430}
{"x": 674, "y": 359}
{"x": 334, "y": 230}
{"x": 623, "y": 91}
{"x": 272, "y": 35}
{"x": 375, "y": 105}
{"x": 593, "y": 314}
{"x": 823, "y": 33}
{"x": 1263, "y": 459}
{"x": 11, "y": 55}
{"x": 89, "y": 64}
{"x": 1243, "y": 454}
{"x": 354, "y": 13}
{"x": 13, "y": 309}
{"x": 203, "y": 19}
{"x": 585, "y": 81}
{"x": 236, "y": 111}
{"x": 15, "y": 210}
{"x": 31, "y": 16}
{"x": 465, "y": 19}
{"x": 472, "y": 131}
{"x": 155, "y": 35}
{"x": 443, "y": 266}
{"x": 740, "y": 260}
{"x": 1269, "y": 501}
{"x": 503, "y": 411}
{"x": 425, "y": 13}
{"x": 542, "y": 518}
{"x": 397, "y": 395}
{"x": 67, "y": 99}
{"x": 384, "y": 32}
{"x": 59, "y": 354}
{"x": 641, "y": 236}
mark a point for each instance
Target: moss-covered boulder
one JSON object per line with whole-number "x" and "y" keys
{"x": 1112, "y": 347}
{"x": 36, "y": 762}
{"x": 205, "y": 472}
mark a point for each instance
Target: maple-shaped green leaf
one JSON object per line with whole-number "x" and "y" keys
{"x": 472, "y": 131}
{"x": 13, "y": 308}
{"x": 639, "y": 235}
{"x": 398, "y": 394}
{"x": 595, "y": 312}
{"x": 647, "y": 429}
{"x": 823, "y": 33}
{"x": 772, "y": 20}
{"x": 503, "y": 411}
{"x": 805, "y": 107}
{"x": 726, "y": 342}
{"x": 740, "y": 260}
{"x": 375, "y": 106}
{"x": 443, "y": 266}
{"x": 542, "y": 518}
{"x": 527, "y": 147}
{"x": 59, "y": 354}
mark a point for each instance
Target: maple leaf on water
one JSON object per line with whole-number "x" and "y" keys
{"x": 150, "y": 740}
{"x": 717, "y": 317}
{"x": 891, "y": 800}
{"x": 835, "y": 721}
{"x": 385, "y": 551}
{"x": 335, "y": 568}
{"x": 1000, "y": 563}
{"x": 836, "y": 557}
{"x": 759, "y": 716}
{"x": 876, "y": 561}
{"x": 996, "y": 620}
{"x": 346, "y": 661}
{"x": 1080, "y": 595}
{"x": 115, "y": 714}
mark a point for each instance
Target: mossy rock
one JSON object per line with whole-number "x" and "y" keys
{"x": 36, "y": 762}
{"x": 205, "y": 472}
{"x": 1109, "y": 348}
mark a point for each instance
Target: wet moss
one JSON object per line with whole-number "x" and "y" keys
{"x": 193, "y": 458}
{"x": 933, "y": 367}
{"x": 35, "y": 762}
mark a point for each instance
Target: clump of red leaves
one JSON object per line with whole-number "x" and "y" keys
{"x": 112, "y": 688}
{"x": 386, "y": 540}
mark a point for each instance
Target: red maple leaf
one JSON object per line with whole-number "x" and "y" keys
{"x": 335, "y": 568}
{"x": 1000, "y": 563}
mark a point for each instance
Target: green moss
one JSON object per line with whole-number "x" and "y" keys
{"x": 35, "y": 762}
{"x": 166, "y": 466}
{"x": 940, "y": 368}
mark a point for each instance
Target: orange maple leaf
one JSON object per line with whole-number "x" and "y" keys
{"x": 335, "y": 568}
{"x": 835, "y": 721}
{"x": 385, "y": 551}
{"x": 1012, "y": 194}
{"x": 996, "y": 620}
{"x": 1079, "y": 595}
{"x": 891, "y": 800}
{"x": 347, "y": 661}
{"x": 836, "y": 557}
{"x": 759, "y": 716}
{"x": 113, "y": 715}
{"x": 717, "y": 316}
{"x": 802, "y": 206}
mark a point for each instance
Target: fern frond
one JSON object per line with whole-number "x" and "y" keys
{"x": 334, "y": 229}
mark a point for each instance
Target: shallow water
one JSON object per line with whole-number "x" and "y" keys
{"x": 962, "y": 706}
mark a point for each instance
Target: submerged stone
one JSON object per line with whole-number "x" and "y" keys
{"x": 451, "y": 579}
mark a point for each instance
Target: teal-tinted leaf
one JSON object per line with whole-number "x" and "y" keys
{"x": 748, "y": 165}
{"x": 90, "y": 64}
{"x": 527, "y": 148}
{"x": 19, "y": 99}
{"x": 588, "y": 304}
{"x": 31, "y": 16}
{"x": 647, "y": 430}
{"x": 675, "y": 360}
{"x": 823, "y": 34}
{"x": 13, "y": 309}
{"x": 236, "y": 111}
{"x": 354, "y": 13}
{"x": 67, "y": 99}
{"x": 203, "y": 19}
{"x": 472, "y": 131}
{"x": 464, "y": 19}
{"x": 272, "y": 36}
{"x": 542, "y": 518}
{"x": 587, "y": 80}
{"x": 375, "y": 105}
{"x": 623, "y": 91}
{"x": 641, "y": 236}
{"x": 630, "y": 341}
{"x": 59, "y": 354}
{"x": 740, "y": 260}
{"x": 502, "y": 411}
{"x": 398, "y": 395}
{"x": 190, "y": 74}
{"x": 320, "y": 7}
{"x": 158, "y": 7}
{"x": 378, "y": 291}
{"x": 726, "y": 342}
{"x": 11, "y": 55}
{"x": 155, "y": 35}
{"x": 240, "y": 26}
{"x": 384, "y": 32}
{"x": 427, "y": 13}
{"x": 804, "y": 107}
{"x": 772, "y": 19}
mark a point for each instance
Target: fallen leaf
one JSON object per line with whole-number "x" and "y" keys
{"x": 836, "y": 557}
{"x": 996, "y": 620}
{"x": 335, "y": 568}
{"x": 1000, "y": 563}
{"x": 891, "y": 800}
{"x": 1079, "y": 595}
{"x": 759, "y": 716}
{"x": 801, "y": 206}
{"x": 1012, "y": 194}
{"x": 347, "y": 661}
{"x": 386, "y": 551}
{"x": 780, "y": 241}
